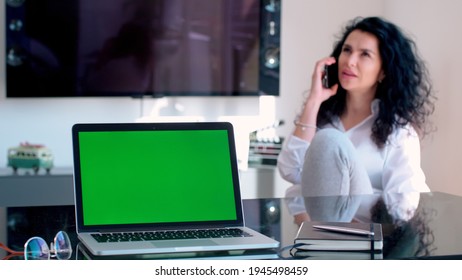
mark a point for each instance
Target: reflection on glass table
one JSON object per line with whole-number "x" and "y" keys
{"x": 425, "y": 225}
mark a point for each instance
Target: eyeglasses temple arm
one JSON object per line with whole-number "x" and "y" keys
{"x": 4, "y": 247}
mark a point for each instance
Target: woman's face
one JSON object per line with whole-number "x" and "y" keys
{"x": 360, "y": 64}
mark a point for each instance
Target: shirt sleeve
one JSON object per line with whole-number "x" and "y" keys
{"x": 291, "y": 157}
{"x": 294, "y": 200}
{"x": 402, "y": 171}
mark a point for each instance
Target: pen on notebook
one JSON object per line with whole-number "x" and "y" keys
{"x": 345, "y": 230}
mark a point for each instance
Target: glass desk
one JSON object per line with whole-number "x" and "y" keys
{"x": 426, "y": 225}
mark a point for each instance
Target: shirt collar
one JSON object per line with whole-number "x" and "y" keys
{"x": 375, "y": 106}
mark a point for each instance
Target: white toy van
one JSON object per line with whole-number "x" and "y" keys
{"x": 30, "y": 156}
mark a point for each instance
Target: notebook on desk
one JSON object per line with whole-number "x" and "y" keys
{"x": 339, "y": 236}
{"x": 144, "y": 188}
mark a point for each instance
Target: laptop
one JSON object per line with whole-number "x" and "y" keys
{"x": 147, "y": 188}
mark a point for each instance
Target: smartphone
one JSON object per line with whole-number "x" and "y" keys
{"x": 330, "y": 76}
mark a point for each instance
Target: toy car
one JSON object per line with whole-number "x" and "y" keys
{"x": 30, "y": 156}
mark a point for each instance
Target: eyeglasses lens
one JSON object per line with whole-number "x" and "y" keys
{"x": 36, "y": 249}
{"x": 63, "y": 248}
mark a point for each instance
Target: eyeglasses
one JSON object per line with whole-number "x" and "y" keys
{"x": 36, "y": 248}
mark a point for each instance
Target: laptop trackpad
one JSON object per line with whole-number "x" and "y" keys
{"x": 183, "y": 243}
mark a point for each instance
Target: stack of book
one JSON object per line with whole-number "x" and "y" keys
{"x": 336, "y": 240}
{"x": 264, "y": 152}
{"x": 265, "y": 145}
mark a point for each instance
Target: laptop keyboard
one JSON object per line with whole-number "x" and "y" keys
{"x": 170, "y": 235}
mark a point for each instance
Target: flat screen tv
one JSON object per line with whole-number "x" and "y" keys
{"x": 83, "y": 48}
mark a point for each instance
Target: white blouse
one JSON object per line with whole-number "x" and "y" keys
{"x": 393, "y": 168}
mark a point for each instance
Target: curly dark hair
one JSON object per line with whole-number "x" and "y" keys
{"x": 405, "y": 93}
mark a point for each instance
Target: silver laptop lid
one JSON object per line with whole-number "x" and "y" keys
{"x": 138, "y": 176}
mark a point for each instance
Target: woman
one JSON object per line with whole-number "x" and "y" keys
{"x": 361, "y": 135}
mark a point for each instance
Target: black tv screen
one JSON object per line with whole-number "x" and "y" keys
{"x": 71, "y": 48}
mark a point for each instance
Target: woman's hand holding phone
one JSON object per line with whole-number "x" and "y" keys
{"x": 320, "y": 91}
{"x": 306, "y": 123}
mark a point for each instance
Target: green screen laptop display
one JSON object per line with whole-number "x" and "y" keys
{"x": 158, "y": 176}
